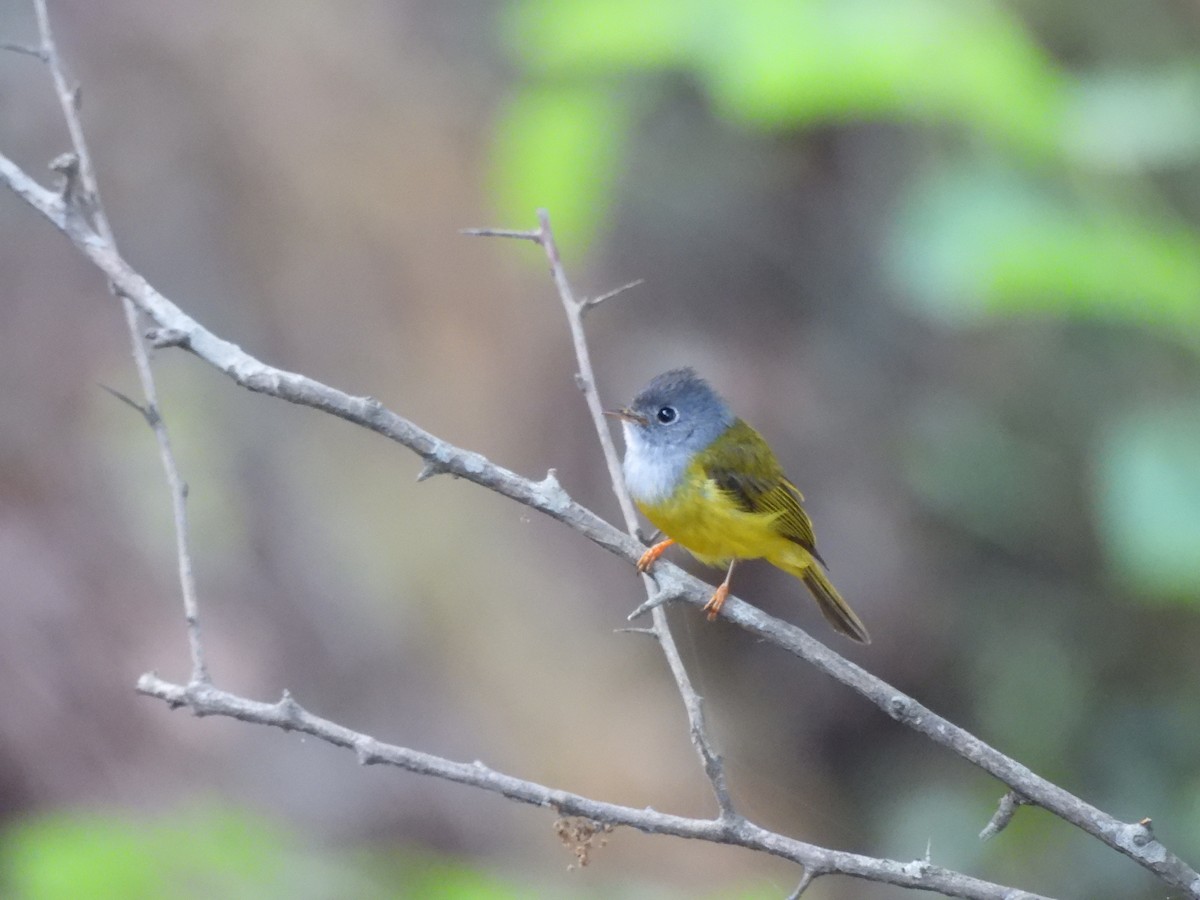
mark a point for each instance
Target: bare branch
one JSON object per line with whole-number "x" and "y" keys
{"x": 80, "y": 189}
{"x": 254, "y": 375}
{"x": 585, "y": 378}
{"x": 94, "y": 239}
{"x": 287, "y": 714}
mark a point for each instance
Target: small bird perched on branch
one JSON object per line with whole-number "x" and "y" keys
{"x": 712, "y": 484}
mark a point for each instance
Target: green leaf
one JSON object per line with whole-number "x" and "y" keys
{"x": 212, "y": 853}
{"x": 781, "y": 64}
{"x": 989, "y": 242}
{"x": 1147, "y": 496}
{"x": 581, "y": 37}
{"x": 558, "y": 147}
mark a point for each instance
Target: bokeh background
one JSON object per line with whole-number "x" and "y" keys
{"x": 944, "y": 254}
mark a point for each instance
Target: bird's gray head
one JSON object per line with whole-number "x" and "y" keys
{"x": 671, "y": 419}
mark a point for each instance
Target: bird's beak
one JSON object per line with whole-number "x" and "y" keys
{"x": 625, "y": 414}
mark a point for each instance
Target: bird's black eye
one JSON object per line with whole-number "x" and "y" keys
{"x": 667, "y": 415}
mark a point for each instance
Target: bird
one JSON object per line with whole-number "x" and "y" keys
{"x": 712, "y": 484}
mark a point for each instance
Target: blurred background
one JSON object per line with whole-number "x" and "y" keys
{"x": 945, "y": 255}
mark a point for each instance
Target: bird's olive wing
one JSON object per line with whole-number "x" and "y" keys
{"x": 742, "y": 464}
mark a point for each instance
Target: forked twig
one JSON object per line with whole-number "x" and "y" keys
{"x": 78, "y": 214}
{"x": 84, "y": 200}
{"x": 585, "y": 378}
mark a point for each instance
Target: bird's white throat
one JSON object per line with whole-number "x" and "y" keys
{"x": 652, "y": 471}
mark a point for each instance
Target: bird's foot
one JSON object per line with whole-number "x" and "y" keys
{"x": 652, "y": 554}
{"x": 713, "y": 607}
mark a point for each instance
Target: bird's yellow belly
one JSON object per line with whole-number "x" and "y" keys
{"x": 708, "y": 523}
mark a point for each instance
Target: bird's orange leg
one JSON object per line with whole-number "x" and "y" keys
{"x": 713, "y": 606}
{"x": 650, "y": 556}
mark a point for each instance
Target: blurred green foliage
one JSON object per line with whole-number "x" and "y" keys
{"x": 773, "y": 64}
{"x": 762, "y": 64}
{"x": 983, "y": 241}
{"x": 1148, "y": 488}
{"x": 562, "y": 143}
{"x": 213, "y": 852}
{"x": 202, "y": 853}
{"x": 1042, "y": 202}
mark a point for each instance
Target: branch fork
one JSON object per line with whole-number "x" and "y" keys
{"x": 174, "y": 328}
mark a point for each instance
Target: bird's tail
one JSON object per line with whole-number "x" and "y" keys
{"x": 836, "y": 610}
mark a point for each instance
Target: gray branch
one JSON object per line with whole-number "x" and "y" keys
{"x": 585, "y": 378}
{"x": 287, "y": 714}
{"x": 77, "y": 213}
{"x": 79, "y": 197}
{"x": 548, "y": 497}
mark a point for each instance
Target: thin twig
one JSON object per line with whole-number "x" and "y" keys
{"x": 535, "y": 236}
{"x": 287, "y": 714}
{"x": 36, "y": 52}
{"x": 69, "y": 100}
{"x": 1133, "y": 840}
{"x": 1129, "y": 839}
{"x": 146, "y": 414}
{"x": 585, "y": 378}
{"x": 1009, "y": 804}
{"x": 589, "y": 303}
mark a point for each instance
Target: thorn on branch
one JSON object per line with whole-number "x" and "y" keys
{"x": 161, "y": 338}
{"x": 289, "y": 710}
{"x": 535, "y": 236}
{"x": 552, "y": 491}
{"x": 588, "y": 303}
{"x": 806, "y": 879}
{"x": 365, "y": 753}
{"x": 1144, "y": 833}
{"x": 1009, "y": 804}
{"x": 658, "y": 598}
{"x": 36, "y": 52}
{"x": 149, "y": 413}
{"x": 431, "y": 468}
{"x": 649, "y": 631}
